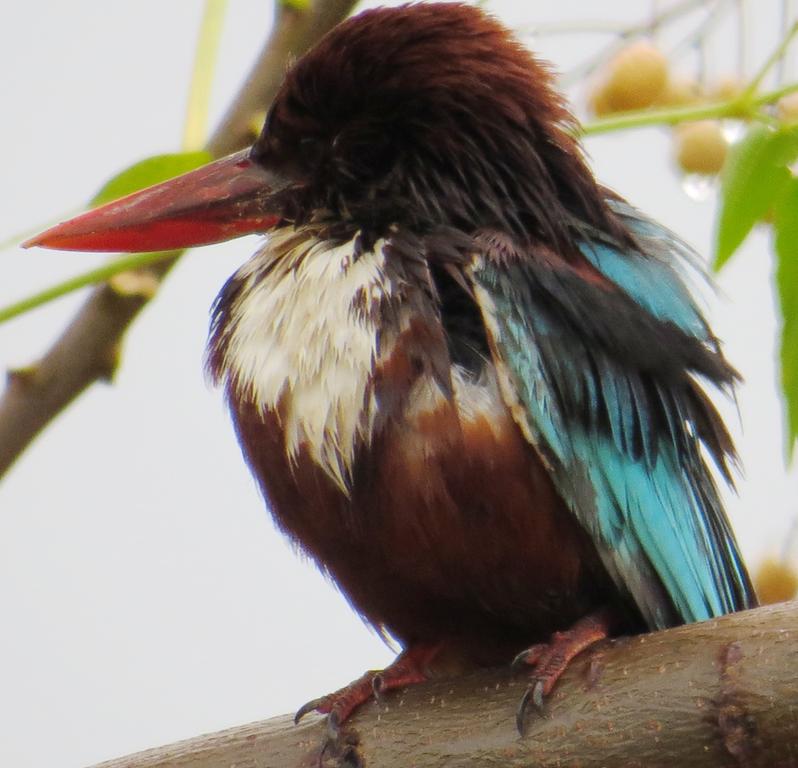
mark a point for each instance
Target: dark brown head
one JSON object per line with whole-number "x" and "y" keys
{"x": 423, "y": 115}
{"x": 426, "y": 114}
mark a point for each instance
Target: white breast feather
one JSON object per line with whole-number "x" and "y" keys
{"x": 302, "y": 338}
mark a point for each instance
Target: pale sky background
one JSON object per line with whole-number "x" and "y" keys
{"x": 145, "y": 596}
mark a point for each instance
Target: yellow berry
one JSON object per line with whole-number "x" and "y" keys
{"x": 679, "y": 92}
{"x": 636, "y": 77}
{"x": 726, "y": 89}
{"x": 776, "y": 581}
{"x": 787, "y": 108}
{"x": 597, "y": 102}
{"x": 700, "y": 147}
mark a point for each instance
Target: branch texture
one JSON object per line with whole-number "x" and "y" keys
{"x": 87, "y": 350}
{"x": 720, "y": 694}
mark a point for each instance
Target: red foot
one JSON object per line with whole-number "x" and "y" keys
{"x": 551, "y": 659}
{"x": 408, "y": 668}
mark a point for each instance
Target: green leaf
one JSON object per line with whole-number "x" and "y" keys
{"x": 786, "y": 227}
{"x": 754, "y": 179}
{"x": 147, "y": 172}
{"x": 299, "y": 5}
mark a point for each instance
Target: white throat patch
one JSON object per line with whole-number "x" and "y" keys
{"x": 303, "y": 336}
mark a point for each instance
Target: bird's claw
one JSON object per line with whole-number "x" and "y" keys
{"x": 528, "y": 657}
{"x": 378, "y": 687}
{"x": 537, "y": 693}
{"x": 333, "y": 744}
{"x": 334, "y": 724}
{"x": 551, "y": 659}
{"x": 314, "y": 705}
{"x": 407, "y": 669}
{"x": 534, "y": 695}
{"x": 324, "y": 706}
{"x": 341, "y": 752}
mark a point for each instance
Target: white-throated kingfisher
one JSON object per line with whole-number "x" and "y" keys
{"x": 468, "y": 378}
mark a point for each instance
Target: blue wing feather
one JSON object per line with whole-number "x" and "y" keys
{"x": 623, "y": 440}
{"x": 670, "y": 301}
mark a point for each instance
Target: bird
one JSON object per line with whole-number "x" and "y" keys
{"x": 469, "y": 379}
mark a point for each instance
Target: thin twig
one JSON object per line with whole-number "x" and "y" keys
{"x": 775, "y": 56}
{"x": 699, "y": 33}
{"x": 556, "y": 29}
{"x": 740, "y": 107}
{"x": 91, "y": 277}
{"x": 199, "y": 93}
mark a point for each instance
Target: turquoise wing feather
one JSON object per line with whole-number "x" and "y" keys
{"x": 598, "y": 358}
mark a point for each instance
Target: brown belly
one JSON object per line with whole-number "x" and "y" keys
{"x": 453, "y": 530}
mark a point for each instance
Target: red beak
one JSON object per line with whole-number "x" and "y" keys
{"x": 228, "y": 198}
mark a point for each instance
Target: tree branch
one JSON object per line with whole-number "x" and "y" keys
{"x": 720, "y": 693}
{"x": 87, "y": 350}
